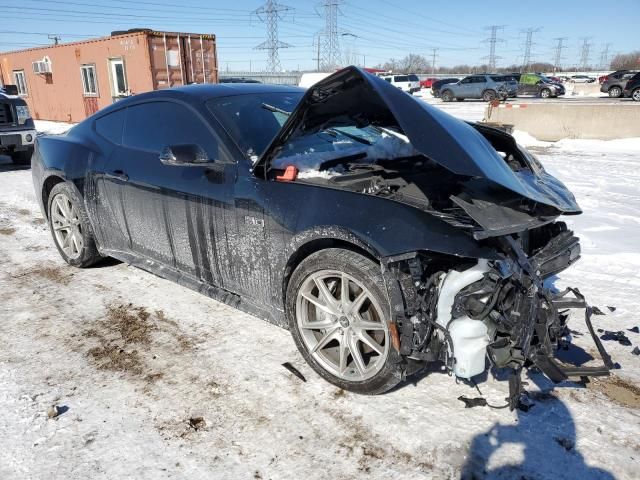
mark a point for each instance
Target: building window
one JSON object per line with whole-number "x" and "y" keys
{"x": 89, "y": 80}
{"x": 21, "y": 83}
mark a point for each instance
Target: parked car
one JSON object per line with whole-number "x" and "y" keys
{"x": 581, "y": 79}
{"x": 632, "y": 88}
{"x": 482, "y": 86}
{"x": 615, "y": 83}
{"x": 555, "y": 79}
{"x": 427, "y": 82}
{"x": 539, "y": 86}
{"x": 17, "y": 130}
{"x": 383, "y": 232}
{"x": 437, "y": 85}
{"x": 407, "y": 83}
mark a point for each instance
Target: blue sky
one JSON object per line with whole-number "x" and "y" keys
{"x": 383, "y": 28}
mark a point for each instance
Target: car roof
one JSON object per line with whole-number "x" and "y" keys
{"x": 201, "y": 92}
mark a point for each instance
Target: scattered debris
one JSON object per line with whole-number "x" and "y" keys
{"x": 473, "y": 402}
{"x": 611, "y": 309}
{"x": 7, "y": 231}
{"x": 634, "y": 329}
{"x": 596, "y": 311}
{"x": 565, "y": 443}
{"x": 636, "y": 351}
{"x": 294, "y": 370}
{"x": 619, "y": 337}
{"x": 197, "y": 423}
{"x": 55, "y": 411}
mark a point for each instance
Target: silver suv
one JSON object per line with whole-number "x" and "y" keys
{"x": 483, "y": 86}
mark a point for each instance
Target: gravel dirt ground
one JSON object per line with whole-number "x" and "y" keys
{"x": 154, "y": 381}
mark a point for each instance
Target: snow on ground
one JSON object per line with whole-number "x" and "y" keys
{"x": 162, "y": 382}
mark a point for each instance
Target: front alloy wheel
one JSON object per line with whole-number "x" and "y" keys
{"x": 339, "y": 316}
{"x": 545, "y": 93}
{"x": 342, "y": 325}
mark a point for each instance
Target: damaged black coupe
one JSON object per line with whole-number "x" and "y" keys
{"x": 384, "y": 233}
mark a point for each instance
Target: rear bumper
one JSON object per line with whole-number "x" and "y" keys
{"x": 17, "y": 140}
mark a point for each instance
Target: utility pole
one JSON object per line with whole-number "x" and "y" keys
{"x": 270, "y": 13}
{"x": 330, "y": 43}
{"x": 584, "y": 55}
{"x": 526, "y": 60}
{"x": 604, "y": 56}
{"x": 493, "y": 40}
{"x": 434, "y": 53}
{"x": 558, "y": 57}
{"x": 55, "y": 38}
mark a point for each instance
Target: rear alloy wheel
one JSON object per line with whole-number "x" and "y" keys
{"x": 447, "y": 96}
{"x": 636, "y": 95}
{"x": 545, "y": 93}
{"x": 615, "y": 92}
{"x": 489, "y": 95}
{"x": 70, "y": 227}
{"x": 338, "y": 316}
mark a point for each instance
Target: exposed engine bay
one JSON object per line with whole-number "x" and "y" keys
{"x": 496, "y": 309}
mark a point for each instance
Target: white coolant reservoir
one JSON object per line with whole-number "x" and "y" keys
{"x": 469, "y": 337}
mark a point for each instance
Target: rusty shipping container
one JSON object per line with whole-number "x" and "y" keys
{"x": 68, "y": 82}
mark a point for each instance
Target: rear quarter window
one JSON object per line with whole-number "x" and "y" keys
{"x": 110, "y": 126}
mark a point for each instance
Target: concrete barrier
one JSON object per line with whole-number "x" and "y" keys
{"x": 554, "y": 121}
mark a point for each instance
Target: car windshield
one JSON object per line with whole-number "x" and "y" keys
{"x": 249, "y": 123}
{"x": 334, "y": 148}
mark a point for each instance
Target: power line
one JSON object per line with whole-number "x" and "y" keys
{"x": 493, "y": 40}
{"x": 558, "y": 48}
{"x": 604, "y": 56}
{"x": 526, "y": 59}
{"x": 584, "y": 54}
{"x": 270, "y": 13}
{"x": 330, "y": 51}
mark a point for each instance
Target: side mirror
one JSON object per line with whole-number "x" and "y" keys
{"x": 184, "y": 155}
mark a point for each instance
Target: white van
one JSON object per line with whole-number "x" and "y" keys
{"x": 409, "y": 83}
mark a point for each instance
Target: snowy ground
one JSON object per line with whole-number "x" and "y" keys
{"x": 137, "y": 360}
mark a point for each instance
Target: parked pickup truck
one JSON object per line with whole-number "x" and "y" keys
{"x": 17, "y": 130}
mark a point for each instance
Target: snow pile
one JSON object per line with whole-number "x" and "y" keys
{"x": 620, "y": 145}
{"x": 45, "y": 127}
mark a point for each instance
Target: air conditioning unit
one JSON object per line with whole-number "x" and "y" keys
{"x": 42, "y": 67}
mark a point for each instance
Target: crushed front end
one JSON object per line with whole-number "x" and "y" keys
{"x": 463, "y": 311}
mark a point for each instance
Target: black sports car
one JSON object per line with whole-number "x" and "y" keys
{"x": 384, "y": 233}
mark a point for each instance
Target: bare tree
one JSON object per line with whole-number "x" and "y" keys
{"x": 626, "y": 61}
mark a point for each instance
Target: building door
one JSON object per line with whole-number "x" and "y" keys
{"x": 119, "y": 86}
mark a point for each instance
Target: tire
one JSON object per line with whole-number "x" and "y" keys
{"x": 636, "y": 95}
{"x": 615, "y": 92}
{"x": 488, "y": 95}
{"x": 446, "y": 96}
{"x": 545, "y": 93}
{"x": 68, "y": 221}
{"x": 23, "y": 157}
{"x": 376, "y": 370}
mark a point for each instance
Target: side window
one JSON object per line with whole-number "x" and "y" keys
{"x": 110, "y": 126}
{"x": 155, "y": 125}
{"x": 466, "y": 80}
{"x": 478, "y": 80}
{"x": 20, "y": 81}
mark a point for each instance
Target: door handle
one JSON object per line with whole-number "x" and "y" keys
{"x": 118, "y": 175}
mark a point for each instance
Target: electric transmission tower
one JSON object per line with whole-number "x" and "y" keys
{"x": 270, "y": 13}
{"x": 584, "y": 55}
{"x": 328, "y": 39}
{"x": 604, "y": 56}
{"x": 434, "y": 54}
{"x": 493, "y": 40}
{"x": 526, "y": 60}
{"x": 559, "y": 46}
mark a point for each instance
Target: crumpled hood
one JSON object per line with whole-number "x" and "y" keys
{"x": 354, "y": 95}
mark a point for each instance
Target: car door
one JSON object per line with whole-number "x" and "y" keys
{"x": 171, "y": 210}
{"x": 465, "y": 87}
{"x": 478, "y": 84}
